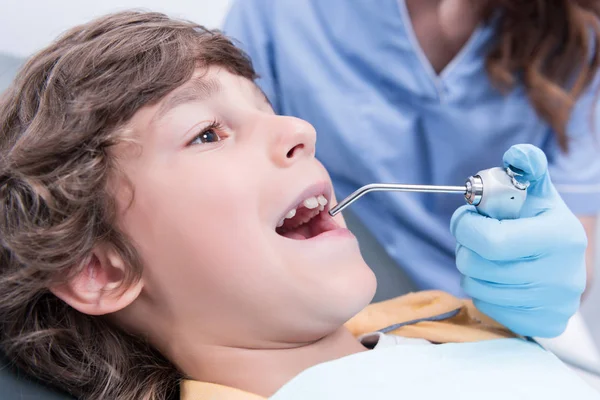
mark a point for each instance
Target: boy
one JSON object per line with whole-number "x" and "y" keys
{"x": 161, "y": 222}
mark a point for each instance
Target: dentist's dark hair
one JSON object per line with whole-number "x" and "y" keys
{"x": 59, "y": 122}
{"x": 552, "y": 47}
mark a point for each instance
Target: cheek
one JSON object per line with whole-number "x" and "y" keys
{"x": 198, "y": 233}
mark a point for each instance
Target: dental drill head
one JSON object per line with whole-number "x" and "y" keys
{"x": 497, "y": 192}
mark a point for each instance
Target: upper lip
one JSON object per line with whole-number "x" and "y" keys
{"x": 321, "y": 188}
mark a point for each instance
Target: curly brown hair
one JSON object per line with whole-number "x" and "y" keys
{"x": 552, "y": 47}
{"x": 59, "y": 121}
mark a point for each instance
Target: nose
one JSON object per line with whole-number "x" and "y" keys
{"x": 293, "y": 139}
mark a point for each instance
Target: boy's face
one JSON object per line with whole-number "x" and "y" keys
{"x": 214, "y": 173}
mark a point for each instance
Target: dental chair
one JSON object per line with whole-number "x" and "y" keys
{"x": 14, "y": 385}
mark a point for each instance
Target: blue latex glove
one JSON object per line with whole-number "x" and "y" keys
{"x": 528, "y": 273}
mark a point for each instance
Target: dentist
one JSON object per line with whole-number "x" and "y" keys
{"x": 431, "y": 91}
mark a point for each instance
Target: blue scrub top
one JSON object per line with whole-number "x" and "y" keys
{"x": 356, "y": 72}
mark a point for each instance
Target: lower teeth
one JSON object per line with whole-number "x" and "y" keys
{"x": 300, "y": 223}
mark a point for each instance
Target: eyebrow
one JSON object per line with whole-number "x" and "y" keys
{"x": 197, "y": 89}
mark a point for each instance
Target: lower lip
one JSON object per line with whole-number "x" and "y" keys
{"x": 340, "y": 232}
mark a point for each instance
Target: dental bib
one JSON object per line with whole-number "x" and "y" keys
{"x": 495, "y": 369}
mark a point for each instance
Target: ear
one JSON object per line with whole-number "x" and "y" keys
{"x": 98, "y": 288}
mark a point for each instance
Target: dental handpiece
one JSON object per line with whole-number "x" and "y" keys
{"x": 496, "y": 192}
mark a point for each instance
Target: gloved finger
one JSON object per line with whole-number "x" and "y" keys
{"x": 533, "y": 163}
{"x": 537, "y": 322}
{"x": 563, "y": 270}
{"x": 511, "y": 272}
{"x": 531, "y": 295}
{"x": 507, "y": 239}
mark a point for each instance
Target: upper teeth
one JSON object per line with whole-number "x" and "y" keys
{"x": 314, "y": 202}
{"x": 311, "y": 203}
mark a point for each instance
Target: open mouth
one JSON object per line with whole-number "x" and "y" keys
{"x": 307, "y": 220}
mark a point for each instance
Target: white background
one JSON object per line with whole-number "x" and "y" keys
{"x": 29, "y": 25}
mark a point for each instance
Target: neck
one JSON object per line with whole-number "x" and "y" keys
{"x": 458, "y": 18}
{"x": 263, "y": 371}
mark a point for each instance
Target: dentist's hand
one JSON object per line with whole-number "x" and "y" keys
{"x": 529, "y": 273}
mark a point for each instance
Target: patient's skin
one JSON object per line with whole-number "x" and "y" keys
{"x": 224, "y": 296}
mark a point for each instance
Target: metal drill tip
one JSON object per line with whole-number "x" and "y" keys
{"x": 392, "y": 187}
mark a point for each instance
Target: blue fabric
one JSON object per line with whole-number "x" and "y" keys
{"x": 527, "y": 273}
{"x": 439, "y": 317}
{"x": 355, "y": 71}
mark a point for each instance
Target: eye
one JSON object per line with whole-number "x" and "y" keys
{"x": 206, "y": 136}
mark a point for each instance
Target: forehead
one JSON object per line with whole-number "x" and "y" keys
{"x": 205, "y": 84}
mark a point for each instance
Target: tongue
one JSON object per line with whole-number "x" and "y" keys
{"x": 301, "y": 232}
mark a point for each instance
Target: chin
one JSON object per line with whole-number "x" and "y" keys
{"x": 353, "y": 291}
{"x": 336, "y": 299}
